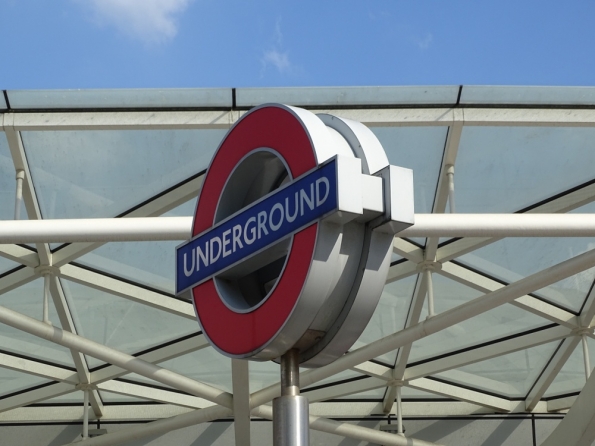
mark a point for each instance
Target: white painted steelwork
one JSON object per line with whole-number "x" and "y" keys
{"x": 17, "y": 408}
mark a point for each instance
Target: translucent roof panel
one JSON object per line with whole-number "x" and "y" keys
{"x": 487, "y": 327}
{"x": 411, "y": 394}
{"x": 389, "y": 316}
{"x": 372, "y": 394}
{"x": 571, "y": 378}
{"x": 12, "y": 381}
{"x": 506, "y": 169}
{"x": 517, "y": 95}
{"x": 510, "y": 376}
{"x": 28, "y": 300}
{"x": 113, "y": 99}
{"x": 512, "y": 259}
{"x": 7, "y": 265}
{"x": 7, "y": 181}
{"x": 119, "y": 169}
{"x": 121, "y": 323}
{"x": 420, "y": 149}
{"x": 346, "y": 96}
{"x": 2, "y": 102}
{"x": 206, "y": 365}
{"x": 147, "y": 263}
{"x": 112, "y": 397}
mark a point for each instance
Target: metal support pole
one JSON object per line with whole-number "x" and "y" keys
{"x": 430, "y": 287}
{"x": 86, "y": 414}
{"x": 450, "y": 173}
{"x": 399, "y": 412}
{"x": 19, "y": 194}
{"x": 46, "y": 294}
{"x": 586, "y": 356}
{"x": 290, "y": 410}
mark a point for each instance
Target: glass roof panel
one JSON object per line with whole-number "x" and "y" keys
{"x": 7, "y": 265}
{"x": 373, "y": 394}
{"x": 2, "y": 103}
{"x": 502, "y": 321}
{"x": 389, "y": 316}
{"x": 512, "y": 259}
{"x": 510, "y": 375}
{"x": 571, "y": 377}
{"x": 121, "y": 323}
{"x": 119, "y": 169}
{"x": 345, "y": 96}
{"x": 420, "y": 149}
{"x": 12, "y": 381}
{"x": 75, "y": 397}
{"x": 335, "y": 379}
{"x": 206, "y": 365}
{"x": 505, "y": 169}
{"x": 147, "y": 263}
{"x": 128, "y": 98}
{"x": 111, "y": 397}
{"x": 525, "y": 95}
{"x": 28, "y": 300}
{"x": 7, "y": 181}
{"x": 409, "y": 393}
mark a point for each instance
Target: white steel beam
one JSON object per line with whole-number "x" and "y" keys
{"x": 483, "y": 353}
{"x": 402, "y": 358}
{"x": 529, "y": 117}
{"x": 155, "y": 356}
{"x": 178, "y": 228}
{"x": 374, "y": 370}
{"x": 439, "y": 322}
{"x": 371, "y": 117}
{"x": 128, "y": 291}
{"x": 17, "y": 279}
{"x": 17, "y": 151}
{"x": 158, "y": 206}
{"x": 349, "y": 430}
{"x": 408, "y": 250}
{"x": 567, "y": 346}
{"x": 31, "y": 367}
{"x": 67, "y": 323}
{"x": 158, "y": 427}
{"x": 459, "y": 393}
{"x": 36, "y": 395}
{"x": 344, "y": 389}
{"x": 501, "y": 225}
{"x": 401, "y": 271}
{"x": 565, "y": 203}
{"x": 125, "y": 120}
{"x": 578, "y": 426}
{"x": 153, "y": 394}
{"x": 115, "y": 357}
{"x": 20, "y": 255}
{"x": 241, "y": 401}
{"x": 560, "y": 404}
{"x": 484, "y": 284}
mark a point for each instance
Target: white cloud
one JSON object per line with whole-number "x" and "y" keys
{"x": 278, "y": 59}
{"x": 276, "y": 56}
{"x": 152, "y": 21}
{"x": 424, "y": 43}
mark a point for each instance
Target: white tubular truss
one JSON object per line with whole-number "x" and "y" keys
{"x": 178, "y": 228}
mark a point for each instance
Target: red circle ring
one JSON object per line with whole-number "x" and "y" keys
{"x": 244, "y": 334}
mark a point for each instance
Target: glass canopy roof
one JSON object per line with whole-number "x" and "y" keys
{"x": 143, "y": 153}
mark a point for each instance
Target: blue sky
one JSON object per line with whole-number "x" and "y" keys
{"x": 220, "y": 43}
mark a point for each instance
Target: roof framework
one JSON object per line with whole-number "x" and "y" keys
{"x": 466, "y": 325}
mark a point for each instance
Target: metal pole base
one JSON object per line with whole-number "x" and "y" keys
{"x": 290, "y": 425}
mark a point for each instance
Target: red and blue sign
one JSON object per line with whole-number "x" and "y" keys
{"x": 242, "y": 333}
{"x": 274, "y": 217}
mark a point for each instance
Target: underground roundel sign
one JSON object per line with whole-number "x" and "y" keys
{"x": 292, "y": 235}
